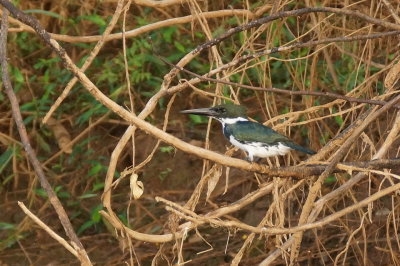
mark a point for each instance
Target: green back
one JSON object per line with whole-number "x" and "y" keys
{"x": 251, "y": 131}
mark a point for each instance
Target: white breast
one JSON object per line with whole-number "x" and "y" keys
{"x": 255, "y": 149}
{"x": 231, "y": 120}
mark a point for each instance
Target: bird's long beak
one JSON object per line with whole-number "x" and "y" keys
{"x": 200, "y": 111}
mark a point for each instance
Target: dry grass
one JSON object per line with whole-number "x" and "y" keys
{"x": 212, "y": 211}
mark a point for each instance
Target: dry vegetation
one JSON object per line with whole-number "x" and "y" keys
{"x": 117, "y": 176}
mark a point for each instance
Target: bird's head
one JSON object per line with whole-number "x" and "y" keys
{"x": 220, "y": 111}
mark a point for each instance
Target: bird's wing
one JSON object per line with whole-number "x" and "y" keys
{"x": 254, "y": 132}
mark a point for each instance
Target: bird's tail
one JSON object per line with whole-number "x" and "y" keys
{"x": 296, "y": 147}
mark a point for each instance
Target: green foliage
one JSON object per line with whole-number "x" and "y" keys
{"x": 330, "y": 179}
{"x": 44, "y": 12}
{"x": 339, "y": 120}
{"x": 17, "y": 78}
{"x": 5, "y": 158}
{"x": 167, "y": 149}
{"x": 6, "y": 226}
{"x": 59, "y": 190}
{"x": 198, "y": 119}
{"x": 94, "y": 220}
{"x": 96, "y": 19}
{"x": 10, "y": 230}
{"x": 163, "y": 174}
{"x": 43, "y": 78}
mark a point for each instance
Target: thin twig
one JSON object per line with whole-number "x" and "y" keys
{"x": 318, "y": 205}
{"x": 184, "y": 213}
{"x": 158, "y": 133}
{"x": 258, "y": 22}
{"x": 53, "y": 234}
{"x": 88, "y": 60}
{"x": 289, "y": 92}
{"x": 293, "y": 13}
{"x": 315, "y": 189}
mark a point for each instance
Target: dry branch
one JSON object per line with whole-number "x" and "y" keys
{"x": 203, "y": 153}
{"x": 289, "y": 92}
{"x": 53, "y": 234}
{"x": 286, "y": 171}
{"x": 62, "y": 215}
{"x": 337, "y": 193}
{"x": 197, "y": 219}
{"x": 155, "y": 3}
{"x": 340, "y": 153}
{"x": 88, "y": 61}
{"x": 294, "y": 13}
{"x": 141, "y": 30}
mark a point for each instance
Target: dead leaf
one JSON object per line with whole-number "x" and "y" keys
{"x": 137, "y": 187}
{"x": 61, "y": 135}
{"x": 393, "y": 76}
{"x": 213, "y": 178}
{"x": 226, "y": 179}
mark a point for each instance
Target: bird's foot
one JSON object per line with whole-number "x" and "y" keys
{"x": 253, "y": 159}
{"x": 257, "y": 160}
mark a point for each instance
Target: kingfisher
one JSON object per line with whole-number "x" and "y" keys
{"x": 257, "y": 140}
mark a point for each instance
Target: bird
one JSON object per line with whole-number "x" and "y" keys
{"x": 257, "y": 140}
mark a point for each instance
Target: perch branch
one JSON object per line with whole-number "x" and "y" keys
{"x": 156, "y": 132}
{"x": 316, "y": 187}
{"x": 119, "y": 110}
{"x": 337, "y": 193}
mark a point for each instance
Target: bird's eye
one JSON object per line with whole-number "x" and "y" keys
{"x": 222, "y": 110}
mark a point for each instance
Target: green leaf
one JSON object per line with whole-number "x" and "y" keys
{"x": 197, "y": 119}
{"x": 180, "y": 47}
{"x": 43, "y": 12}
{"x": 95, "y": 215}
{"x": 5, "y": 158}
{"x": 63, "y": 195}
{"x": 87, "y": 196}
{"x": 17, "y": 75}
{"x": 95, "y": 169}
{"x": 96, "y": 19}
{"x": 97, "y": 186}
{"x": 85, "y": 226}
{"x": 42, "y": 143}
{"x": 164, "y": 174}
{"x": 330, "y": 179}
{"x": 41, "y": 192}
{"x": 6, "y": 226}
{"x": 167, "y": 149}
{"x": 339, "y": 120}
{"x": 168, "y": 32}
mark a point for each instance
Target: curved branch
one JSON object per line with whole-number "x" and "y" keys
{"x": 143, "y": 29}
{"x": 259, "y": 22}
{"x": 139, "y": 122}
{"x": 279, "y": 231}
{"x": 339, "y": 191}
{"x": 289, "y": 92}
{"x": 156, "y": 3}
{"x": 156, "y": 132}
{"x": 294, "y": 13}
